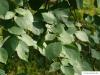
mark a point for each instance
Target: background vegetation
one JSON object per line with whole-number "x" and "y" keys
{"x": 49, "y": 37}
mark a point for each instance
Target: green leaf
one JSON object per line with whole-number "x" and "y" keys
{"x": 42, "y": 49}
{"x": 50, "y": 37}
{"x": 79, "y": 46}
{"x": 56, "y": 29}
{"x": 95, "y": 54}
{"x": 9, "y": 15}
{"x": 4, "y": 7}
{"x": 1, "y": 31}
{"x": 67, "y": 70}
{"x": 3, "y": 55}
{"x": 54, "y": 66}
{"x": 21, "y": 11}
{"x": 95, "y": 37}
{"x": 81, "y": 35}
{"x": 89, "y": 19}
{"x": 10, "y": 44}
{"x": 80, "y": 66}
{"x": 73, "y": 56}
{"x": 88, "y": 3}
{"x": 28, "y": 40}
{"x": 53, "y": 50}
{"x": 19, "y": 2}
{"x": 98, "y": 3}
{"x": 61, "y": 14}
{"x": 98, "y": 11}
{"x": 71, "y": 28}
{"x": 13, "y": 42}
{"x": 3, "y": 40}
{"x": 71, "y": 52}
{"x": 65, "y": 62}
{"x": 79, "y": 3}
{"x": 25, "y": 21}
{"x": 66, "y": 38}
{"x": 22, "y": 51}
{"x": 16, "y": 30}
{"x": 49, "y": 17}
{"x": 38, "y": 28}
{"x": 2, "y": 72}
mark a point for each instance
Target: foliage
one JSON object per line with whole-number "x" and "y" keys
{"x": 60, "y": 37}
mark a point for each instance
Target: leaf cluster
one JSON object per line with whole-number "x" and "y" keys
{"x": 66, "y": 33}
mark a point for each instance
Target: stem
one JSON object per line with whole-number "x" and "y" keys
{"x": 71, "y": 11}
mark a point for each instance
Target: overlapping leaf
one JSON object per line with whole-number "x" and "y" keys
{"x": 4, "y": 7}
{"x": 81, "y": 35}
{"x": 2, "y": 72}
{"x": 28, "y": 40}
{"x": 3, "y": 55}
{"x": 66, "y": 38}
{"x": 22, "y": 51}
{"x": 53, "y": 50}
{"x": 95, "y": 54}
{"x": 67, "y": 70}
{"x": 16, "y": 30}
{"x": 9, "y": 15}
{"x": 26, "y": 20}
{"x": 49, "y": 17}
{"x": 55, "y": 66}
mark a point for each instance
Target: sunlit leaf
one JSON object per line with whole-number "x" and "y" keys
{"x": 21, "y": 11}
{"x": 9, "y": 15}
{"x": 55, "y": 66}
{"x": 49, "y": 17}
{"x": 28, "y": 40}
{"x": 66, "y": 38}
{"x": 16, "y": 30}
{"x": 71, "y": 52}
{"x": 65, "y": 62}
{"x": 3, "y": 55}
{"x": 67, "y": 70}
{"x": 25, "y": 21}
{"x": 56, "y": 29}
{"x": 80, "y": 66}
{"x": 22, "y": 51}
{"x": 50, "y": 37}
{"x": 81, "y": 35}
